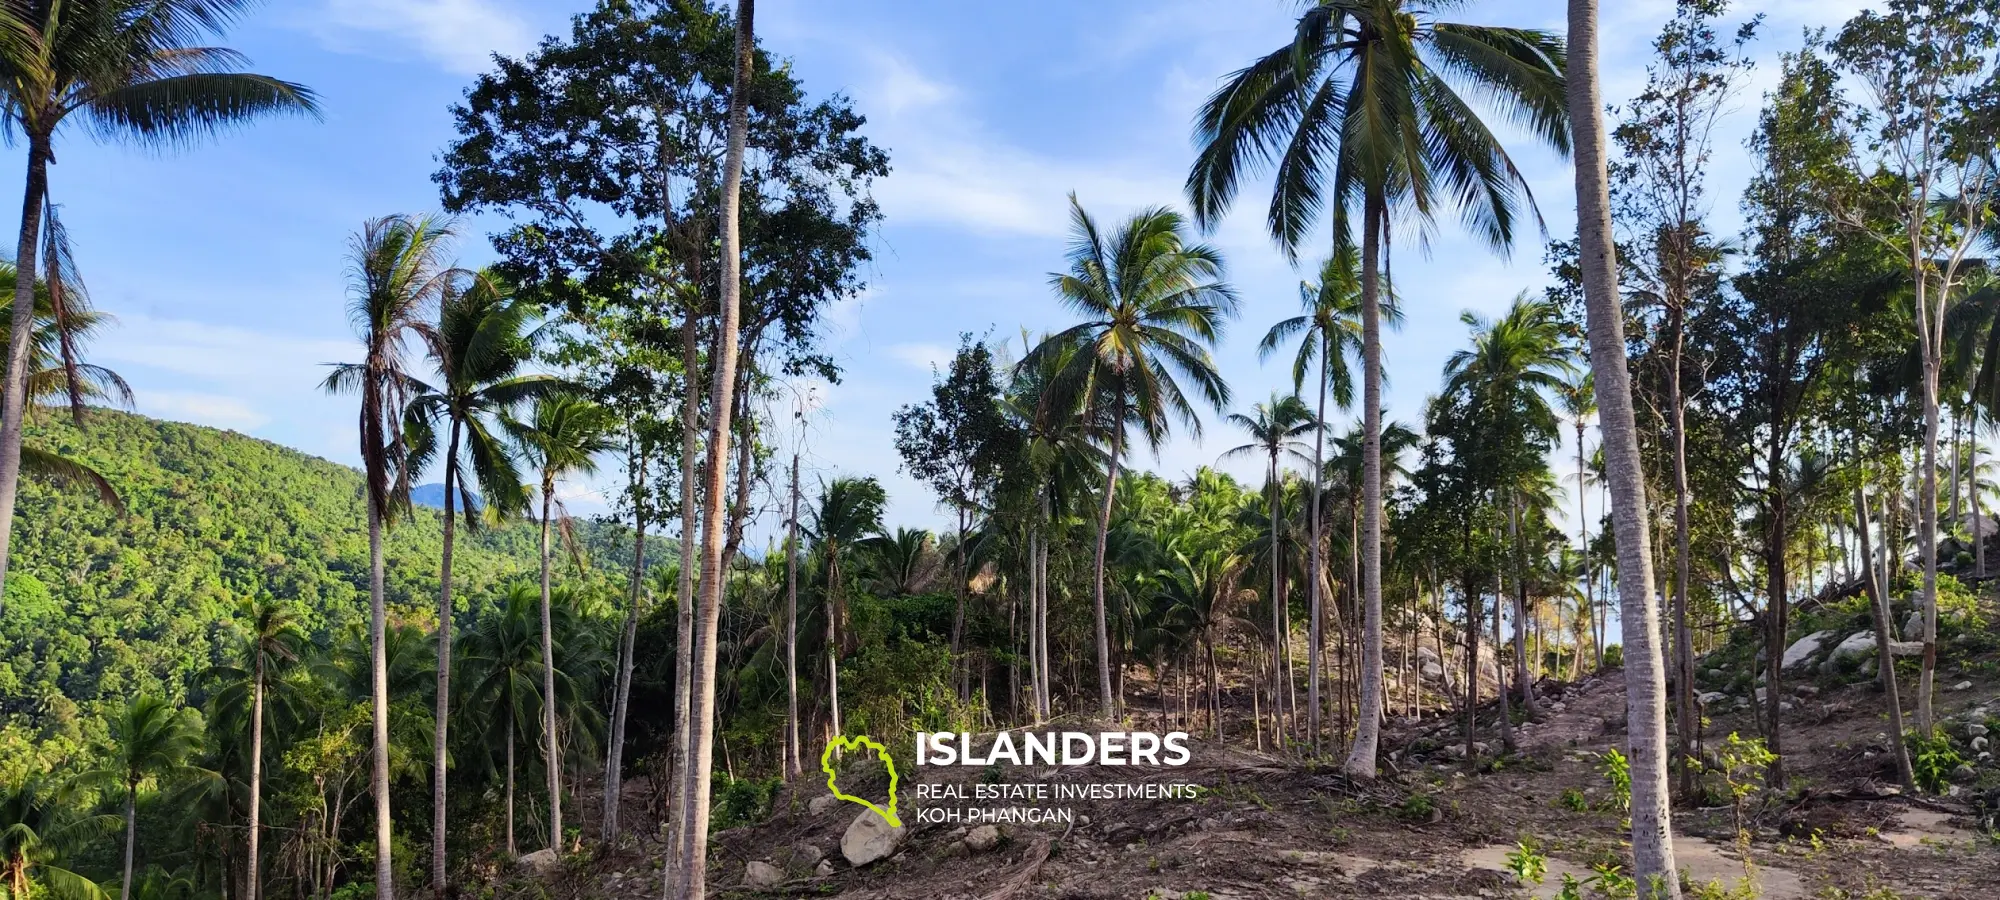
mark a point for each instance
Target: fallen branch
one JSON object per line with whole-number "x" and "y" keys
{"x": 1038, "y": 853}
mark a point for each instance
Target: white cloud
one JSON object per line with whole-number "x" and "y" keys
{"x": 221, "y": 352}
{"x": 202, "y": 409}
{"x": 460, "y": 35}
{"x": 924, "y": 356}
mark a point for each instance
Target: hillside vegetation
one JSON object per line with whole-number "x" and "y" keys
{"x": 102, "y": 607}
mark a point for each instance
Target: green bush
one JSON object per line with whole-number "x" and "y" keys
{"x": 742, "y": 801}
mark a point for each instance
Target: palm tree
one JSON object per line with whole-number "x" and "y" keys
{"x": 273, "y": 643}
{"x": 563, "y": 437}
{"x": 398, "y": 276}
{"x": 1365, "y": 107}
{"x": 1329, "y": 333}
{"x": 39, "y": 826}
{"x": 1578, "y": 397}
{"x": 150, "y": 739}
{"x": 1274, "y": 428}
{"x": 1618, "y": 435}
{"x": 905, "y": 563}
{"x": 503, "y": 661}
{"x": 481, "y": 343}
{"x": 1153, "y": 305}
{"x": 55, "y": 372}
{"x": 849, "y": 510}
{"x": 1515, "y": 364}
{"x": 124, "y": 68}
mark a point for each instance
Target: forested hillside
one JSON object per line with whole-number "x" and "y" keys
{"x": 101, "y": 606}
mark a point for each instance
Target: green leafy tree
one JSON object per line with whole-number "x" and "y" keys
{"x": 40, "y": 826}
{"x": 127, "y": 69}
{"x": 1153, "y": 305}
{"x": 1364, "y": 110}
{"x": 1274, "y": 429}
{"x": 849, "y": 510}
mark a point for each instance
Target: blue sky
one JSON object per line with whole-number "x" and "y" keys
{"x": 224, "y": 263}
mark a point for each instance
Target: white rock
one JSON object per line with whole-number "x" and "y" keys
{"x": 824, "y": 868}
{"x": 1906, "y": 648}
{"x": 1961, "y": 686}
{"x": 760, "y": 874}
{"x": 1975, "y": 729}
{"x": 1804, "y": 648}
{"x": 1978, "y": 744}
{"x": 540, "y": 862}
{"x": 1712, "y": 698}
{"x": 1913, "y": 626}
{"x": 982, "y": 839}
{"x": 1432, "y": 670}
{"x": 869, "y": 838}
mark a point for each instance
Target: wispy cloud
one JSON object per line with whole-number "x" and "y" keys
{"x": 460, "y": 35}
{"x": 223, "y": 352}
{"x": 202, "y": 409}
{"x": 924, "y": 356}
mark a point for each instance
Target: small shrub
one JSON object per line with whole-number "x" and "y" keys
{"x": 1573, "y": 800}
{"x": 1418, "y": 806}
{"x": 1527, "y": 862}
{"x": 1618, "y": 771}
{"x": 1933, "y": 759}
{"x": 742, "y": 801}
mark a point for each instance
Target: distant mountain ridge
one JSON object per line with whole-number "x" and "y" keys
{"x": 432, "y": 496}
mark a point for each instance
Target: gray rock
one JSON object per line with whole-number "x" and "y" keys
{"x": 1975, "y": 730}
{"x": 1965, "y": 774}
{"x": 1717, "y": 674}
{"x": 1712, "y": 698}
{"x": 1961, "y": 686}
{"x": 982, "y": 839}
{"x": 760, "y": 874}
{"x": 1432, "y": 670}
{"x": 869, "y": 838}
{"x": 801, "y": 856}
{"x": 1857, "y": 646}
{"x": 1978, "y": 744}
{"x": 1913, "y": 626}
{"x": 821, "y": 803}
{"x": 1805, "y": 648}
{"x": 540, "y": 862}
{"x": 1806, "y": 690}
{"x": 824, "y": 868}
{"x": 1906, "y": 648}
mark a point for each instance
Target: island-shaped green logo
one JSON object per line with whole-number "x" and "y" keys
{"x": 856, "y": 743}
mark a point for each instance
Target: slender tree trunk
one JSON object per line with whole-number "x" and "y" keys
{"x": 131, "y": 836}
{"x": 1368, "y": 716}
{"x": 1504, "y": 693}
{"x": 684, "y": 610}
{"x": 1927, "y": 527}
{"x": 1472, "y": 607}
{"x": 254, "y": 888}
{"x": 441, "y": 721}
{"x": 1885, "y": 661}
{"x": 14, "y": 399}
{"x": 1687, "y": 721}
{"x": 1583, "y": 541}
{"x": 378, "y": 781}
{"x": 1523, "y": 677}
{"x": 551, "y": 755}
{"x": 1277, "y": 626}
{"x": 701, "y": 696}
{"x": 513, "y": 849}
{"x": 1035, "y": 621}
{"x": 1972, "y": 498}
{"x": 1042, "y": 612}
{"x": 614, "y": 759}
{"x": 1316, "y": 635}
{"x": 1105, "y": 708}
{"x": 1645, "y": 682}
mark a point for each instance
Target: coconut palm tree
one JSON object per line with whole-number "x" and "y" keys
{"x": 127, "y": 69}
{"x": 56, "y": 373}
{"x": 39, "y": 828}
{"x": 272, "y": 644}
{"x": 1618, "y": 435}
{"x": 398, "y": 277}
{"x": 1578, "y": 398}
{"x": 849, "y": 510}
{"x": 1364, "y": 110}
{"x": 150, "y": 740}
{"x": 503, "y": 665}
{"x": 1274, "y": 429}
{"x": 1153, "y": 305}
{"x": 1329, "y": 333}
{"x": 563, "y": 436}
{"x": 482, "y": 341}
{"x": 1515, "y": 365}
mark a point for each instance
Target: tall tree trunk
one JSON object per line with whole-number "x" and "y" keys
{"x": 1927, "y": 527}
{"x": 1368, "y": 714}
{"x": 1277, "y": 619}
{"x": 254, "y": 885}
{"x": 1523, "y": 677}
{"x": 378, "y": 780}
{"x": 1583, "y": 556}
{"x": 701, "y": 695}
{"x": 513, "y": 849}
{"x": 1645, "y": 682}
{"x": 1035, "y": 622}
{"x": 441, "y": 721}
{"x": 1315, "y": 629}
{"x": 1105, "y": 709}
{"x": 832, "y": 551}
{"x": 131, "y": 836}
{"x": 1687, "y": 721}
{"x": 614, "y": 758}
{"x": 1972, "y": 497}
{"x": 551, "y": 754}
{"x": 14, "y": 399}
{"x": 1504, "y": 692}
{"x": 793, "y": 765}
{"x": 1042, "y": 614}
{"x": 1472, "y": 606}
{"x": 684, "y": 596}
{"x": 1878, "y": 597}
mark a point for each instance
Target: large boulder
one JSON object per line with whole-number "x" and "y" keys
{"x": 540, "y": 862}
{"x": 982, "y": 839}
{"x": 1805, "y": 648}
{"x": 869, "y": 838}
{"x": 1858, "y": 645}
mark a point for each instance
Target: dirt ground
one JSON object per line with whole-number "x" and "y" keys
{"x": 1267, "y": 826}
